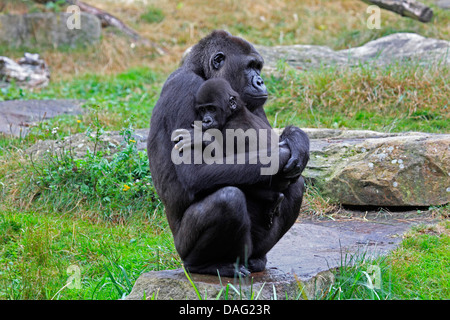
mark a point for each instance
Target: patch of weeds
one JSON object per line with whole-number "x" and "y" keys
{"x": 12, "y": 92}
{"x": 8, "y": 230}
{"x": 360, "y": 277}
{"x": 117, "y": 185}
{"x": 441, "y": 211}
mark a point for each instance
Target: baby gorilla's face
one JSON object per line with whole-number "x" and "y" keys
{"x": 213, "y": 116}
{"x": 215, "y": 103}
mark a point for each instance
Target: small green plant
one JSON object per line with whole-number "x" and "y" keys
{"x": 11, "y": 92}
{"x": 153, "y": 15}
{"x": 123, "y": 285}
{"x": 55, "y": 6}
{"x": 360, "y": 277}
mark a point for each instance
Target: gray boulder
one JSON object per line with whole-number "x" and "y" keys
{"x": 444, "y": 4}
{"x": 371, "y": 168}
{"x": 385, "y": 50}
{"x": 48, "y": 29}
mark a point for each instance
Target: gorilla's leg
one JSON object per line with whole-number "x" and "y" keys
{"x": 214, "y": 234}
{"x": 263, "y": 240}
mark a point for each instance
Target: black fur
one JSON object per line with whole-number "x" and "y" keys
{"x": 220, "y": 107}
{"x": 217, "y": 227}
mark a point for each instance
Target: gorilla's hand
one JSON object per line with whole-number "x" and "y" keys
{"x": 184, "y": 138}
{"x": 298, "y": 143}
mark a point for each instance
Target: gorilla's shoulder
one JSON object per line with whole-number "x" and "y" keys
{"x": 182, "y": 80}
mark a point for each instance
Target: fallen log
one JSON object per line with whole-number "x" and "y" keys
{"x": 106, "y": 18}
{"x": 407, "y": 8}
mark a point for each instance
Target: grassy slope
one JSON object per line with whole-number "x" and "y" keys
{"x": 38, "y": 241}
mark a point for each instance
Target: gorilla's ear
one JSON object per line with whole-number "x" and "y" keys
{"x": 217, "y": 60}
{"x": 232, "y": 103}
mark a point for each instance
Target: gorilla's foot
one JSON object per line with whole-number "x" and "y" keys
{"x": 257, "y": 264}
{"x": 223, "y": 270}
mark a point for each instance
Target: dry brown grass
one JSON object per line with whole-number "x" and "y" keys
{"x": 315, "y": 205}
{"x": 339, "y": 24}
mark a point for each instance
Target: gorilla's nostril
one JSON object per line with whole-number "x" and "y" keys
{"x": 258, "y": 81}
{"x": 207, "y": 120}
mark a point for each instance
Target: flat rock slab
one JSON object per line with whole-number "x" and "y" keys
{"x": 300, "y": 261}
{"x": 109, "y": 142}
{"x": 315, "y": 246}
{"x": 16, "y": 116}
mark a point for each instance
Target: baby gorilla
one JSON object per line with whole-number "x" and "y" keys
{"x": 220, "y": 107}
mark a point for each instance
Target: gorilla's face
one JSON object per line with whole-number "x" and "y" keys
{"x": 216, "y": 102}
{"x": 243, "y": 72}
{"x": 221, "y": 55}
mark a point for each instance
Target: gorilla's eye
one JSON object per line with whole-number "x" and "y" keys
{"x": 217, "y": 60}
{"x": 255, "y": 65}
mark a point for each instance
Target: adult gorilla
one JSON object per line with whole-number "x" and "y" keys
{"x": 216, "y": 227}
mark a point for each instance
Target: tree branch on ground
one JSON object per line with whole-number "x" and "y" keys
{"x": 407, "y": 8}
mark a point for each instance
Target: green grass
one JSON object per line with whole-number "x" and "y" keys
{"x": 153, "y": 15}
{"x": 393, "y": 98}
{"x": 100, "y": 214}
{"x": 37, "y": 247}
{"x": 422, "y": 264}
{"x": 130, "y": 94}
{"x": 121, "y": 99}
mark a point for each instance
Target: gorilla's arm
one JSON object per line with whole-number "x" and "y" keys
{"x": 297, "y": 141}
{"x": 202, "y": 178}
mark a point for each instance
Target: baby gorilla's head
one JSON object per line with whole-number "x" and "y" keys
{"x": 216, "y": 102}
